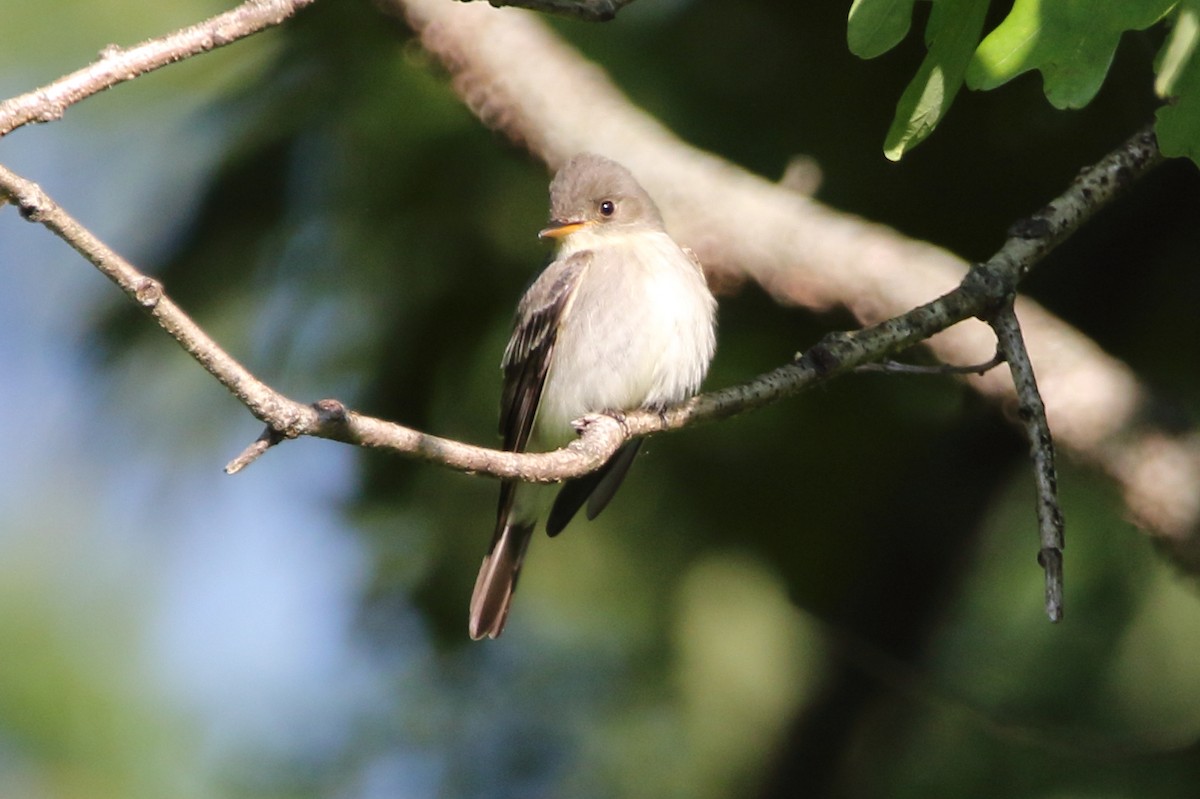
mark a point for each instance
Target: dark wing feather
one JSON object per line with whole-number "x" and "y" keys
{"x": 527, "y": 358}
{"x": 526, "y": 364}
{"x": 596, "y": 489}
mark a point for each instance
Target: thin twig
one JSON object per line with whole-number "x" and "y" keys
{"x": 117, "y": 65}
{"x": 269, "y": 438}
{"x": 1032, "y": 413}
{"x": 589, "y": 10}
{"x": 896, "y": 367}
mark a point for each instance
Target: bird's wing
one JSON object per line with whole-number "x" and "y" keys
{"x": 531, "y": 348}
{"x": 526, "y": 364}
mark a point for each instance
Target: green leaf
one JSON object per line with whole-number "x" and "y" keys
{"x": 951, "y": 35}
{"x": 1070, "y": 41}
{"x": 1177, "y": 52}
{"x": 876, "y": 26}
{"x": 1178, "y": 124}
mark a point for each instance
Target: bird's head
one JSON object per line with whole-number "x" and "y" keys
{"x": 594, "y": 193}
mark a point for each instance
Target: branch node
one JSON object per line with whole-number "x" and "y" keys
{"x": 802, "y": 175}
{"x": 995, "y": 286}
{"x": 32, "y": 203}
{"x": 582, "y": 424}
{"x": 330, "y": 411}
{"x": 1032, "y": 227}
{"x": 821, "y": 356}
{"x": 148, "y": 292}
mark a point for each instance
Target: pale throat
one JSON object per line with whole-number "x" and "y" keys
{"x": 594, "y": 236}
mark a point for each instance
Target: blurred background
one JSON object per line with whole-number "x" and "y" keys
{"x": 836, "y": 596}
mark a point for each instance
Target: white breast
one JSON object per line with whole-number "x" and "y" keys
{"x": 640, "y": 332}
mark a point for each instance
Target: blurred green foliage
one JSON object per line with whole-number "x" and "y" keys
{"x": 836, "y": 596}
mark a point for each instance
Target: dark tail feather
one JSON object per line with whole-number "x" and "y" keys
{"x": 596, "y": 489}
{"x": 618, "y": 467}
{"x": 497, "y": 580}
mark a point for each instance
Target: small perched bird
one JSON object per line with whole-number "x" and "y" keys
{"x": 621, "y": 319}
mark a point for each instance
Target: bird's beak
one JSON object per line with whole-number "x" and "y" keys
{"x": 557, "y": 229}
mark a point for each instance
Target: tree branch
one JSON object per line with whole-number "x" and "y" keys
{"x": 287, "y": 417}
{"x": 984, "y": 288}
{"x": 555, "y": 103}
{"x": 117, "y": 65}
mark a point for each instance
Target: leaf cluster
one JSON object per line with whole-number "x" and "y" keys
{"x": 1071, "y": 43}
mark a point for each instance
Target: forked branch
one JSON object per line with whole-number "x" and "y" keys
{"x": 986, "y": 286}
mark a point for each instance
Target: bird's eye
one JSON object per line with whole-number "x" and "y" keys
{"x": 607, "y": 208}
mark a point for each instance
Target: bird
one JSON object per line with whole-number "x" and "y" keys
{"x": 621, "y": 319}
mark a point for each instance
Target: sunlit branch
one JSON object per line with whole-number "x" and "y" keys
{"x": 984, "y": 288}
{"x": 117, "y": 64}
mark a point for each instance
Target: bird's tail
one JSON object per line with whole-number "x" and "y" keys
{"x": 498, "y": 578}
